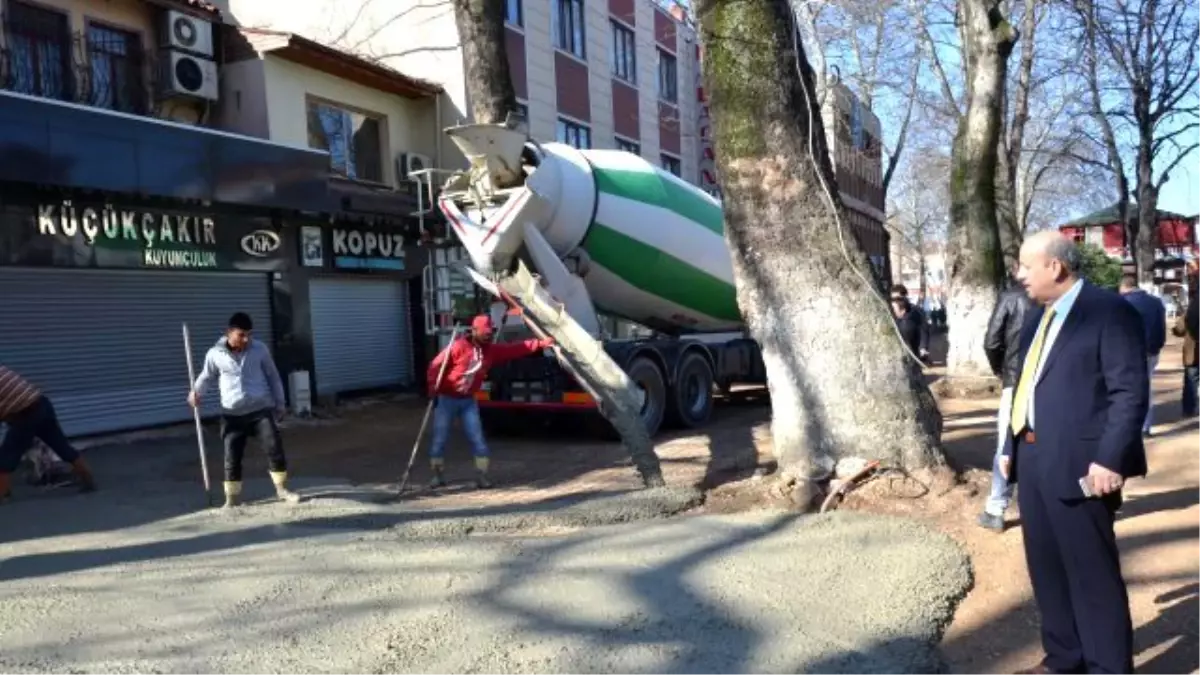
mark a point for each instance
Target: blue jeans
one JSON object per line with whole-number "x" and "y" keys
{"x": 37, "y": 421}
{"x": 1191, "y": 377}
{"x": 445, "y": 411}
{"x": 1002, "y": 491}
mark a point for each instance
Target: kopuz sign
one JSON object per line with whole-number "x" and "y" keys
{"x": 367, "y": 249}
{"x": 123, "y": 237}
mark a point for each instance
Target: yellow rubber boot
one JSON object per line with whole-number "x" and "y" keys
{"x": 279, "y": 478}
{"x": 233, "y": 493}
{"x": 437, "y": 465}
{"x": 481, "y": 468}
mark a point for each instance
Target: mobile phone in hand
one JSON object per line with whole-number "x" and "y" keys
{"x": 1085, "y": 485}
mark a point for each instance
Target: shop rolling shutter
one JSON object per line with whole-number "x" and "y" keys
{"x": 106, "y": 345}
{"x": 361, "y": 334}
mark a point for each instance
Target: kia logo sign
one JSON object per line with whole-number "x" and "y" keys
{"x": 260, "y": 243}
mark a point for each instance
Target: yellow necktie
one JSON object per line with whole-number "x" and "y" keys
{"x": 1020, "y": 409}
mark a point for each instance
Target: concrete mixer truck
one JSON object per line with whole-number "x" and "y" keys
{"x": 606, "y": 231}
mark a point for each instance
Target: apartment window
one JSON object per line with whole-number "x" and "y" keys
{"x": 573, "y": 134}
{"x": 116, "y": 62}
{"x": 354, "y": 140}
{"x": 513, "y": 14}
{"x": 624, "y": 53}
{"x": 668, "y": 77}
{"x": 566, "y": 20}
{"x": 857, "y": 140}
{"x": 671, "y": 164}
{"x": 629, "y": 146}
{"x": 39, "y": 51}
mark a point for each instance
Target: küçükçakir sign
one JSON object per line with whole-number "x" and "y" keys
{"x": 163, "y": 239}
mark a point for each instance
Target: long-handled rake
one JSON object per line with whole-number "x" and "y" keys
{"x": 187, "y": 348}
{"x": 428, "y": 411}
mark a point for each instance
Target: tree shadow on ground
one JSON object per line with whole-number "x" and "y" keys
{"x": 662, "y": 589}
{"x": 36, "y": 565}
{"x": 733, "y": 451}
{"x": 902, "y": 654}
{"x": 977, "y": 650}
{"x": 980, "y": 651}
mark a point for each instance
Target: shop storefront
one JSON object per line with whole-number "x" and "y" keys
{"x": 363, "y": 305}
{"x": 96, "y": 290}
{"x": 117, "y": 229}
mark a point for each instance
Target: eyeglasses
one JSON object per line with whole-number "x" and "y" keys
{"x": 897, "y": 298}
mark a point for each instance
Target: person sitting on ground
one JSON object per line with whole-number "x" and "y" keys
{"x": 29, "y": 415}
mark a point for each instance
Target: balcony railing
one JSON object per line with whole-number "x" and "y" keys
{"x": 101, "y": 67}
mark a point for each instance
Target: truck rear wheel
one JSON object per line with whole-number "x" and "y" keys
{"x": 650, "y": 379}
{"x": 692, "y": 395}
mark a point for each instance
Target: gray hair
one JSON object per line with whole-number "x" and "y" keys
{"x": 1066, "y": 252}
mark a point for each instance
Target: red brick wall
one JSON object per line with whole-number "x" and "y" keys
{"x": 625, "y": 110}
{"x": 571, "y": 80}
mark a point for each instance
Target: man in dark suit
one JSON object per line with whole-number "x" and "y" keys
{"x": 1075, "y": 437}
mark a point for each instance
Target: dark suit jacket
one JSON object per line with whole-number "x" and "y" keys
{"x": 1092, "y": 397}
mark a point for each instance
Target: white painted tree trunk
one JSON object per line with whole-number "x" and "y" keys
{"x": 968, "y": 309}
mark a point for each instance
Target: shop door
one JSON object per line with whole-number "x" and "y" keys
{"x": 106, "y": 345}
{"x": 361, "y": 334}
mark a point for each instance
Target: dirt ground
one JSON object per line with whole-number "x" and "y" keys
{"x": 995, "y": 628}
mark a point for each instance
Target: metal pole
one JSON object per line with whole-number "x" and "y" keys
{"x": 187, "y": 348}
{"x": 428, "y": 411}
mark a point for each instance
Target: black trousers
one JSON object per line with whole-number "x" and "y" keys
{"x": 37, "y": 421}
{"x": 1071, "y": 551}
{"x": 237, "y": 429}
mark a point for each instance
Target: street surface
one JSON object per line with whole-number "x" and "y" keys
{"x": 130, "y": 582}
{"x": 565, "y": 567}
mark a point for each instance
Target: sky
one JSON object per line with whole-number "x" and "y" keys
{"x": 1181, "y": 194}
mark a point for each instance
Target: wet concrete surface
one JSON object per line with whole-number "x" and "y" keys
{"x": 141, "y": 577}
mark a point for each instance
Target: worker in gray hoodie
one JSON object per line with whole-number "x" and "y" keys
{"x": 252, "y": 402}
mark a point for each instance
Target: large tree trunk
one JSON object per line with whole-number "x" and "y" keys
{"x": 975, "y": 257}
{"x": 841, "y": 384}
{"x": 1009, "y": 232}
{"x": 1142, "y": 238}
{"x": 1008, "y": 212}
{"x": 488, "y": 80}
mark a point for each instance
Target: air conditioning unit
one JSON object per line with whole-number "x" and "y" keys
{"x": 186, "y": 33}
{"x": 409, "y": 162}
{"x": 188, "y": 76}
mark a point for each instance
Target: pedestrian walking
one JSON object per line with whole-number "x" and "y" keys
{"x": 1154, "y": 320}
{"x": 1074, "y": 439}
{"x": 252, "y": 403}
{"x": 30, "y": 415}
{"x": 470, "y": 357}
{"x": 914, "y": 327}
{"x": 1187, "y": 326}
{"x": 1003, "y": 347}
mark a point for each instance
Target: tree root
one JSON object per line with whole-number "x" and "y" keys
{"x": 848, "y": 484}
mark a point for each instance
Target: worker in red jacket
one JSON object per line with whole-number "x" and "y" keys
{"x": 470, "y": 357}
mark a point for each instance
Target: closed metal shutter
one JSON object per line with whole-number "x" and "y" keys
{"x": 361, "y": 334}
{"x": 106, "y": 345}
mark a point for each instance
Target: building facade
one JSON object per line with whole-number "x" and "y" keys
{"x": 1175, "y": 243}
{"x": 124, "y": 215}
{"x": 357, "y": 322}
{"x": 854, "y": 137}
